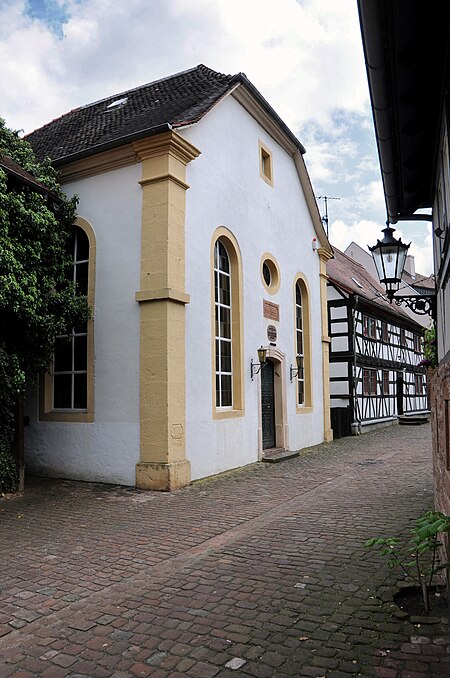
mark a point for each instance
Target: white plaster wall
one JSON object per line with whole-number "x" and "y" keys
{"x": 339, "y": 402}
{"x": 339, "y": 344}
{"x": 340, "y": 327}
{"x": 108, "y": 449}
{"x": 339, "y": 370}
{"x": 227, "y": 190}
{"x": 339, "y": 388}
{"x": 338, "y": 312}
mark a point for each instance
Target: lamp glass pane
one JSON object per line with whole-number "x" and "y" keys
{"x": 389, "y": 257}
{"x": 402, "y": 253}
{"x": 378, "y": 261}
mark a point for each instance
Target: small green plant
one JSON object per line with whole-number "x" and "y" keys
{"x": 417, "y": 557}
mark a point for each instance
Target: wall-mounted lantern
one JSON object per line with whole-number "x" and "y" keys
{"x": 389, "y": 256}
{"x": 255, "y": 368}
{"x": 294, "y": 371}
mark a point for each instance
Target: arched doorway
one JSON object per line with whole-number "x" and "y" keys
{"x": 268, "y": 406}
{"x": 273, "y": 429}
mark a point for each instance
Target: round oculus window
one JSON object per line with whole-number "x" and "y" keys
{"x": 270, "y": 275}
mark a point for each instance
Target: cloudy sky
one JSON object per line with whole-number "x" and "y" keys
{"x": 304, "y": 56}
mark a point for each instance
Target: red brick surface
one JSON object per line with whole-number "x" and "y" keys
{"x": 265, "y": 565}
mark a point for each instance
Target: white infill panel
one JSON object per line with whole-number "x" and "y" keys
{"x": 339, "y": 344}
{"x": 338, "y": 312}
{"x": 338, "y": 370}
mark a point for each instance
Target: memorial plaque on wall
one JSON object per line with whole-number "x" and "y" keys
{"x": 272, "y": 333}
{"x": 271, "y": 311}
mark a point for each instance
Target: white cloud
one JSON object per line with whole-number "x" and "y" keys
{"x": 305, "y": 57}
{"x": 364, "y": 232}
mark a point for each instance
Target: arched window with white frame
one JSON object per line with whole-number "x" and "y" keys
{"x": 70, "y": 354}
{"x": 299, "y": 342}
{"x": 222, "y": 319}
{"x": 67, "y": 391}
{"x": 303, "y": 344}
{"x": 227, "y": 324}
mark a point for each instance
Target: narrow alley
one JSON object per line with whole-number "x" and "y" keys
{"x": 258, "y": 572}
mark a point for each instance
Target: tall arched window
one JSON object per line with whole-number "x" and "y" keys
{"x": 227, "y": 325}
{"x": 67, "y": 392}
{"x": 303, "y": 344}
{"x": 70, "y": 354}
{"x": 299, "y": 345}
{"x": 222, "y": 318}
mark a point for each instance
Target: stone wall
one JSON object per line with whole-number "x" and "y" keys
{"x": 439, "y": 397}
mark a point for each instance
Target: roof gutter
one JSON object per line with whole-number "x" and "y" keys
{"x": 123, "y": 141}
{"x": 373, "y": 35}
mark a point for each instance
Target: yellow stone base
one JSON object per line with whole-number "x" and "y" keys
{"x": 163, "y": 477}
{"x": 329, "y": 435}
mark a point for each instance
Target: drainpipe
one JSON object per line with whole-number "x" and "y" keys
{"x": 356, "y": 423}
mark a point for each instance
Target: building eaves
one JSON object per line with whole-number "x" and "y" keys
{"x": 406, "y": 50}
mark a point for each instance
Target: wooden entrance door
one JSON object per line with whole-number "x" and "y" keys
{"x": 268, "y": 405}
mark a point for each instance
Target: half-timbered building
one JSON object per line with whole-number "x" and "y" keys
{"x": 375, "y": 352}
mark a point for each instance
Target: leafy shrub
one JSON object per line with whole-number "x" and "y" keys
{"x": 9, "y": 479}
{"x": 429, "y": 348}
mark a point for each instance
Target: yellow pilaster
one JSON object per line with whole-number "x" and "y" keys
{"x": 324, "y": 256}
{"x": 162, "y": 298}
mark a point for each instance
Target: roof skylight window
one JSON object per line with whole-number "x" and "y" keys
{"x": 117, "y": 102}
{"x": 358, "y": 283}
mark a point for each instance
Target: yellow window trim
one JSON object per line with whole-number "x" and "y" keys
{"x": 46, "y": 412}
{"x": 275, "y": 274}
{"x": 265, "y": 163}
{"x": 237, "y": 325}
{"x": 307, "y": 407}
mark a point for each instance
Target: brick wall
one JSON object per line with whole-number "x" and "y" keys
{"x": 439, "y": 395}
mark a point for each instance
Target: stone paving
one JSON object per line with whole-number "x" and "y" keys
{"x": 258, "y": 572}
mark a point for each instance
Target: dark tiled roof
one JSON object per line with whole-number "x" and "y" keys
{"x": 419, "y": 280}
{"x": 346, "y": 273}
{"x": 16, "y": 172}
{"x": 178, "y": 100}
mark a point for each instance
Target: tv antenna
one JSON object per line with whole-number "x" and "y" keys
{"x": 325, "y": 199}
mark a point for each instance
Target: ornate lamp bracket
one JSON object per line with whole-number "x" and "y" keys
{"x": 422, "y": 305}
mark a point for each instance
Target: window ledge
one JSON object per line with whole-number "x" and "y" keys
{"x": 68, "y": 417}
{"x": 227, "y": 414}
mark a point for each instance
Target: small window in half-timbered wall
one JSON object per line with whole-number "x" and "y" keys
{"x": 418, "y": 379}
{"x": 402, "y": 337}
{"x": 384, "y": 332}
{"x": 417, "y": 343}
{"x": 385, "y": 382}
{"x": 370, "y": 382}
{"x": 369, "y": 327}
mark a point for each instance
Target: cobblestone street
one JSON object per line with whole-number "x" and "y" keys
{"x": 258, "y": 572}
